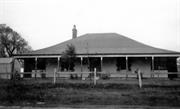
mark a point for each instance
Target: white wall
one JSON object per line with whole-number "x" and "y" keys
{"x": 50, "y": 67}
{"x": 109, "y": 65}
{"x": 141, "y": 63}
{"x": 77, "y": 66}
{"x": 5, "y": 68}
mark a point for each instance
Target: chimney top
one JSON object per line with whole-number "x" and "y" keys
{"x": 74, "y": 32}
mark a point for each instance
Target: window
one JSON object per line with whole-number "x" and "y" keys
{"x": 41, "y": 64}
{"x": 160, "y": 63}
{"x": 121, "y": 63}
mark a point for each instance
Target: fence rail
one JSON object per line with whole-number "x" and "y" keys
{"x": 113, "y": 74}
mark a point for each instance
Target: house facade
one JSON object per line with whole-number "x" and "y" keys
{"x": 107, "y": 52}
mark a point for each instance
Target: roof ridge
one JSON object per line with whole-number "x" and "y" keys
{"x": 103, "y": 33}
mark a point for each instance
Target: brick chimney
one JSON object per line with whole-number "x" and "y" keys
{"x": 74, "y": 32}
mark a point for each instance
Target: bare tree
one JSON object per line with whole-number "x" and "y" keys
{"x": 11, "y": 42}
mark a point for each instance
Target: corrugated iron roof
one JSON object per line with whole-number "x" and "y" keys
{"x": 102, "y": 43}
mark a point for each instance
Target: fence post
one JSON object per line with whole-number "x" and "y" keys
{"x": 54, "y": 77}
{"x": 139, "y": 77}
{"x": 94, "y": 76}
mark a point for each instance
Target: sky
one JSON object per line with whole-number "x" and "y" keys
{"x": 44, "y": 23}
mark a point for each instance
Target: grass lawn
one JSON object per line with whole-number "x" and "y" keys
{"x": 31, "y": 92}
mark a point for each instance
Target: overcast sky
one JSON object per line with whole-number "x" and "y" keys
{"x": 47, "y": 22}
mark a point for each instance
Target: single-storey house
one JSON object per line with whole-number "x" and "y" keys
{"x": 107, "y": 52}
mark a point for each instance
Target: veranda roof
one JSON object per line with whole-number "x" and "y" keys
{"x": 104, "y": 44}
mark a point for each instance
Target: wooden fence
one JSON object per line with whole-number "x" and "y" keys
{"x": 87, "y": 74}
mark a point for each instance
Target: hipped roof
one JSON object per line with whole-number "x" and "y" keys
{"x": 102, "y": 43}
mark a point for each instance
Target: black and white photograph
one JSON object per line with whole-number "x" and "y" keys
{"x": 89, "y": 54}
